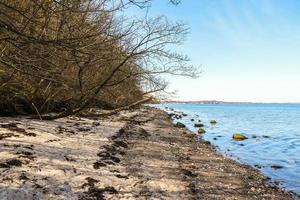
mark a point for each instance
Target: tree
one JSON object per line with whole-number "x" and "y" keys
{"x": 66, "y": 56}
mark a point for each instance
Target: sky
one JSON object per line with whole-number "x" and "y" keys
{"x": 248, "y": 50}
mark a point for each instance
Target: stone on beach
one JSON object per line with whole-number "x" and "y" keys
{"x": 179, "y": 125}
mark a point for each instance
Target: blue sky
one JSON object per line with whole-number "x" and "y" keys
{"x": 249, "y": 50}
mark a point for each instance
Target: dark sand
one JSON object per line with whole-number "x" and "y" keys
{"x": 133, "y": 155}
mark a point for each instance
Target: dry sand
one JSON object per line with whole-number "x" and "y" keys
{"x": 132, "y": 155}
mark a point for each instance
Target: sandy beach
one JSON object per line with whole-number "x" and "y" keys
{"x": 137, "y": 154}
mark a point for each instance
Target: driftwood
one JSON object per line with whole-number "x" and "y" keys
{"x": 112, "y": 112}
{"x": 93, "y": 113}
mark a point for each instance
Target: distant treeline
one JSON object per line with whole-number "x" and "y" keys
{"x": 64, "y": 56}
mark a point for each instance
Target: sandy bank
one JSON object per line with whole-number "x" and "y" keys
{"x": 132, "y": 155}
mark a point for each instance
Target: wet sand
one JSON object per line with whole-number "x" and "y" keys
{"x": 131, "y": 155}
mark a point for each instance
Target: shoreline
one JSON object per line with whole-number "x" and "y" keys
{"x": 136, "y": 154}
{"x": 217, "y": 150}
{"x": 178, "y": 114}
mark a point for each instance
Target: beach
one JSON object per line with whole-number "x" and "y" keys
{"x": 134, "y": 154}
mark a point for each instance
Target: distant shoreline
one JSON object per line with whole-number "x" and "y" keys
{"x": 222, "y": 102}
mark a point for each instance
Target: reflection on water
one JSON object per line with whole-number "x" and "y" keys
{"x": 273, "y": 131}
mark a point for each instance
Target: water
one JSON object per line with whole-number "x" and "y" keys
{"x": 273, "y": 131}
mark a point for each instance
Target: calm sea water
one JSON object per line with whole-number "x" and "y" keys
{"x": 273, "y": 131}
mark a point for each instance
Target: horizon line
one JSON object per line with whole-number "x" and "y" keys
{"x": 224, "y": 102}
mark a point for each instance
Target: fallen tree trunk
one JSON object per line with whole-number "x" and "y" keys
{"x": 94, "y": 114}
{"x": 112, "y": 112}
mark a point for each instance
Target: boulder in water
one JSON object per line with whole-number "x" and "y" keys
{"x": 276, "y": 167}
{"x": 201, "y": 131}
{"x": 198, "y": 125}
{"x": 213, "y": 121}
{"x": 239, "y": 136}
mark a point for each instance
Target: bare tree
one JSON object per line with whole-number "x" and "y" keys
{"x": 66, "y": 56}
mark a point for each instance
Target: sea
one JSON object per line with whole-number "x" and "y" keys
{"x": 273, "y": 132}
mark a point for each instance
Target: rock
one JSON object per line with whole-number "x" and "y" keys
{"x": 257, "y": 166}
{"x": 96, "y": 124}
{"x": 83, "y": 129}
{"x": 191, "y": 135}
{"x": 198, "y": 125}
{"x": 10, "y": 163}
{"x": 213, "y": 121}
{"x": 239, "y": 136}
{"x": 276, "y": 166}
{"x": 201, "y": 131}
{"x": 179, "y": 125}
{"x": 189, "y": 173}
{"x": 171, "y": 115}
{"x": 192, "y": 120}
{"x": 177, "y": 116}
{"x": 183, "y": 114}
